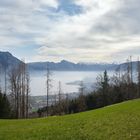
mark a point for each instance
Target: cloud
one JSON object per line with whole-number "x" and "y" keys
{"x": 76, "y": 30}
{"x": 27, "y": 3}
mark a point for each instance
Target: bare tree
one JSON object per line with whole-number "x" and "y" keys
{"x": 5, "y": 78}
{"x": 82, "y": 88}
{"x": 67, "y": 103}
{"x": 27, "y": 93}
{"x": 23, "y": 88}
{"x": 0, "y": 77}
{"x": 48, "y": 86}
{"x": 59, "y": 98}
{"x": 59, "y": 91}
{"x": 118, "y": 74}
{"x": 131, "y": 69}
{"x": 128, "y": 72}
{"x": 19, "y": 87}
{"x": 138, "y": 71}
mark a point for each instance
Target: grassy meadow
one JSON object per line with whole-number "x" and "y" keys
{"x": 115, "y": 122}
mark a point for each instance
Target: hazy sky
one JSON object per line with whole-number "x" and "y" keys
{"x": 75, "y": 30}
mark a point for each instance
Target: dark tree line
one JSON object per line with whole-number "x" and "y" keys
{"x": 5, "y": 109}
{"x": 109, "y": 90}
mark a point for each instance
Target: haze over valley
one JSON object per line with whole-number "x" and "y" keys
{"x": 69, "y": 69}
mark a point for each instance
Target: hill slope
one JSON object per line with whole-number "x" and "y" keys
{"x": 116, "y": 122}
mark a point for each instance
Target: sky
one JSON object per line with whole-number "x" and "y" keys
{"x": 74, "y": 30}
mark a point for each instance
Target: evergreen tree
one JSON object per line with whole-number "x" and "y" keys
{"x": 81, "y": 99}
{"x": 105, "y": 87}
{"x": 4, "y": 106}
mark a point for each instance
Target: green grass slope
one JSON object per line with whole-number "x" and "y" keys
{"x": 116, "y": 122}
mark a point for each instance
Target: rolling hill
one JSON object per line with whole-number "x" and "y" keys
{"x": 116, "y": 122}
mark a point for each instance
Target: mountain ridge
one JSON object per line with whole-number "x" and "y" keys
{"x": 70, "y": 66}
{"x": 8, "y": 60}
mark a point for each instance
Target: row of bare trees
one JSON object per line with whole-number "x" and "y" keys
{"x": 18, "y": 81}
{"x": 56, "y": 105}
{"x": 57, "y": 99}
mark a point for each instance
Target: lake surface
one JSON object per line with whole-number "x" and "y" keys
{"x": 69, "y": 81}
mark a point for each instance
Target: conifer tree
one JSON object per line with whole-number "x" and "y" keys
{"x": 4, "y": 106}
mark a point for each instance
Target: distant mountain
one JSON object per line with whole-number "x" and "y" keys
{"x": 7, "y": 60}
{"x": 124, "y": 66}
{"x": 69, "y": 66}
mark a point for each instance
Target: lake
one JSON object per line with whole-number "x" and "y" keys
{"x": 69, "y": 81}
